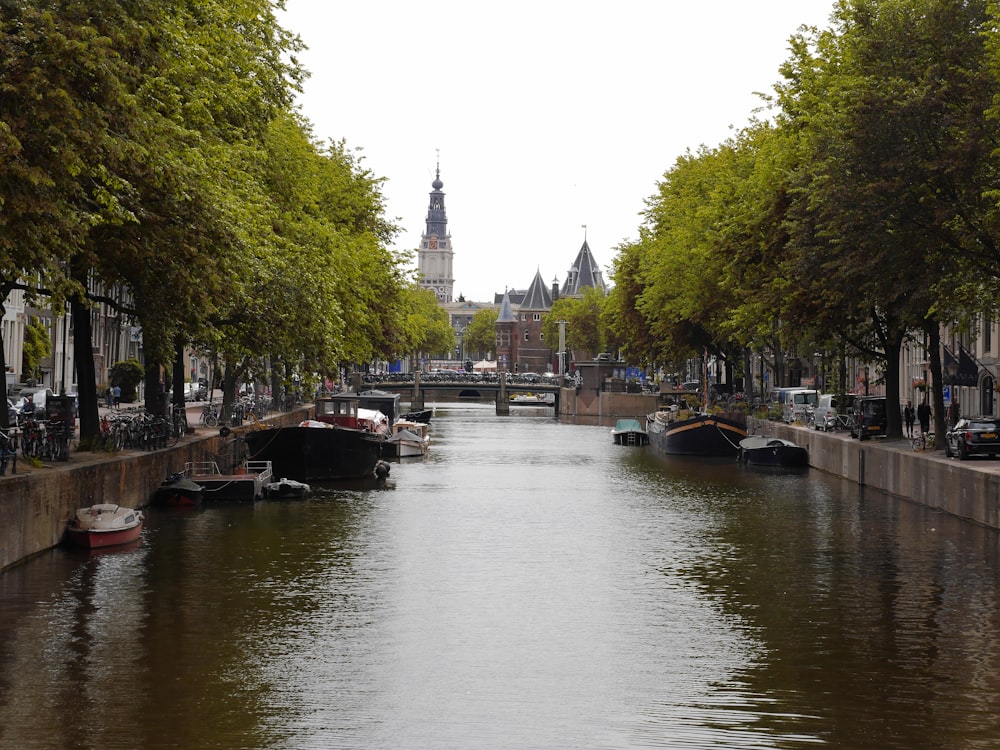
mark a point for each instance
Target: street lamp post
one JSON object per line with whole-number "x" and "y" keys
{"x": 562, "y": 347}
{"x": 952, "y": 369}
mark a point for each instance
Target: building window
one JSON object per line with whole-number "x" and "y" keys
{"x": 536, "y": 317}
{"x": 525, "y": 335}
{"x": 987, "y": 334}
{"x": 524, "y": 316}
{"x": 541, "y": 336}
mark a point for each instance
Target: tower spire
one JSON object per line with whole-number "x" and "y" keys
{"x": 434, "y": 256}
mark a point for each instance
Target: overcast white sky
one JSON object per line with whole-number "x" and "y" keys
{"x": 548, "y": 115}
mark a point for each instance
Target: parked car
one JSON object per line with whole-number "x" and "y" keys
{"x": 829, "y": 407}
{"x": 870, "y": 417}
{"x": 38, "y": 399}
{"x": 973, "y": 436}
{"x": 795, "y": 403}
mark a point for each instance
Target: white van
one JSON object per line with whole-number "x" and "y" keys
{"x": 795, "y": 402}
{"x": 825, "y": 413}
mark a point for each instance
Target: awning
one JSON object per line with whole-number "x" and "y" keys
{"x": 968, "y": 370}
{"x": 484, "y": 364}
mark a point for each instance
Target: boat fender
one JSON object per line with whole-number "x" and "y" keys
{"x": 382, "y": 469}
{"x": 225, "y": 432}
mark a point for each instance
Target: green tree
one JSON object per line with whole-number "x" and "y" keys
{"x": 585, "y": 328}
{"x": 127, "y": 375}
{"x": 481, "y": 333}
{"x": 37, "y": 347}
{"x": 888, "y": 112}
{"x": 427, "y": 325}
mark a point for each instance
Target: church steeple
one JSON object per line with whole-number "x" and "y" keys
{"x": 435, "y": 255}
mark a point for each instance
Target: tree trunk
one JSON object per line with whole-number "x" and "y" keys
{"x": 86, "y": 378}
{"x": 228, "y": 390}
{"x": 894, "y": 421}
{"x": 178, "y": 374}
{"x": 934, "y": 358}
{"x": 4, "y": 418}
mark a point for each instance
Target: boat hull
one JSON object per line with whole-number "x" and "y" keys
{"x": 701, "y": 435}
{"x": 286, "y": 489}
{"x": 179, "y": 493}
{"x": 421, "y": 415}
{"x": 104, "y": 525}
{"x": 773, "y": 452}
{"x": 629, "y": 432}
{"x": 315, "y": 453}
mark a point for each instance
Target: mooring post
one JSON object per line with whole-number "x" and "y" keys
{"x": 503, "y": 403}
{"x": 417, "y": 401}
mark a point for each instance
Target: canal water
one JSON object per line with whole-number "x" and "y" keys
{"x": 527, "y": 585}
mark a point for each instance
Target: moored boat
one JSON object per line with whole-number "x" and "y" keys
{"x": 286, "y": 489}
{"x": 245, "y": 483}
{"x": 104, "y": 525}
{"x": 179, "y": 490}
{"x": 408, "y": 439}
{"x": 418, "y": 415}
{"x": 344, "y": 441}
{"x": 533, "y": 398}
{"x": 772, "y": 451}
{"x": 629, "y": 432}
{"x": 382, "y": 401}
{"x": 687, "y": 433}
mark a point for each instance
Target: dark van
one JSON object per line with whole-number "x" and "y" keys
{"x": 870, "y": 417}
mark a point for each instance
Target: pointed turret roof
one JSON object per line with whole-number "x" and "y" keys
{"x": 437, "y": 217}
{"x": 538, "y": 296}
{"x": 583, "y": 273}
{"x": 506, "y": 312}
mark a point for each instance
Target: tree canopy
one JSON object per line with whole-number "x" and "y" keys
{"x": 863, "y": 212}
{"x": 166, "y": 172}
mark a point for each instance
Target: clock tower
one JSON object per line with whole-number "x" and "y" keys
{"x": 434, "y": 256}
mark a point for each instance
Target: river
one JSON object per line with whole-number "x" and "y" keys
{"x": 527, "y": 585}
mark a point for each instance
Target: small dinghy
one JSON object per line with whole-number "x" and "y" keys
{"x": 179, "y": 490}
{"x": 286, "y": 489}
{"x": 104, "y": 525}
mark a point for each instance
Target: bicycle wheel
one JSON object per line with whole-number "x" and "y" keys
{"x": 211, "y": 420}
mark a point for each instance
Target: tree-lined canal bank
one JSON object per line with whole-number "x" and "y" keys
{"x": 528, "y": 585}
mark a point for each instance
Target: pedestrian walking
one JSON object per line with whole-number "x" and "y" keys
{"x": 954, "y": 413}
{"x": 116, "y": 396}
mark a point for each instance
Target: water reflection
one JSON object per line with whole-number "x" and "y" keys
{"x": 527, "y": 585}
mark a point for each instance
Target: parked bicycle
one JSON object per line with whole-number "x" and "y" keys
{"x": 209, "y": 415}
{"x": 44, "y": 440}
{"x": 8, "y": 451}
{"x": 178, "y": 425}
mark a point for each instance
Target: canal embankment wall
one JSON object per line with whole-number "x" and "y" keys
{"x": 601, "y": 404}
{"x": 967, "y": 489}
{"x": 36, "y": 503}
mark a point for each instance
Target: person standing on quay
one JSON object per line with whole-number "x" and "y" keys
{"x": 924, "y": 417}
{"x": 908, "y": 416}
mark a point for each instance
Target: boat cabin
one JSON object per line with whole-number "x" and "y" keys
{"x": 383, "y": 401}
{"x": 345, "y": 410}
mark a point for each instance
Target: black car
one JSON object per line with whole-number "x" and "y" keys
{"x": 973, "y": 436}
{"x": 870, "y": 418}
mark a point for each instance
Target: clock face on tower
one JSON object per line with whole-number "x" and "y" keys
{"x": 434, "y": 244}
